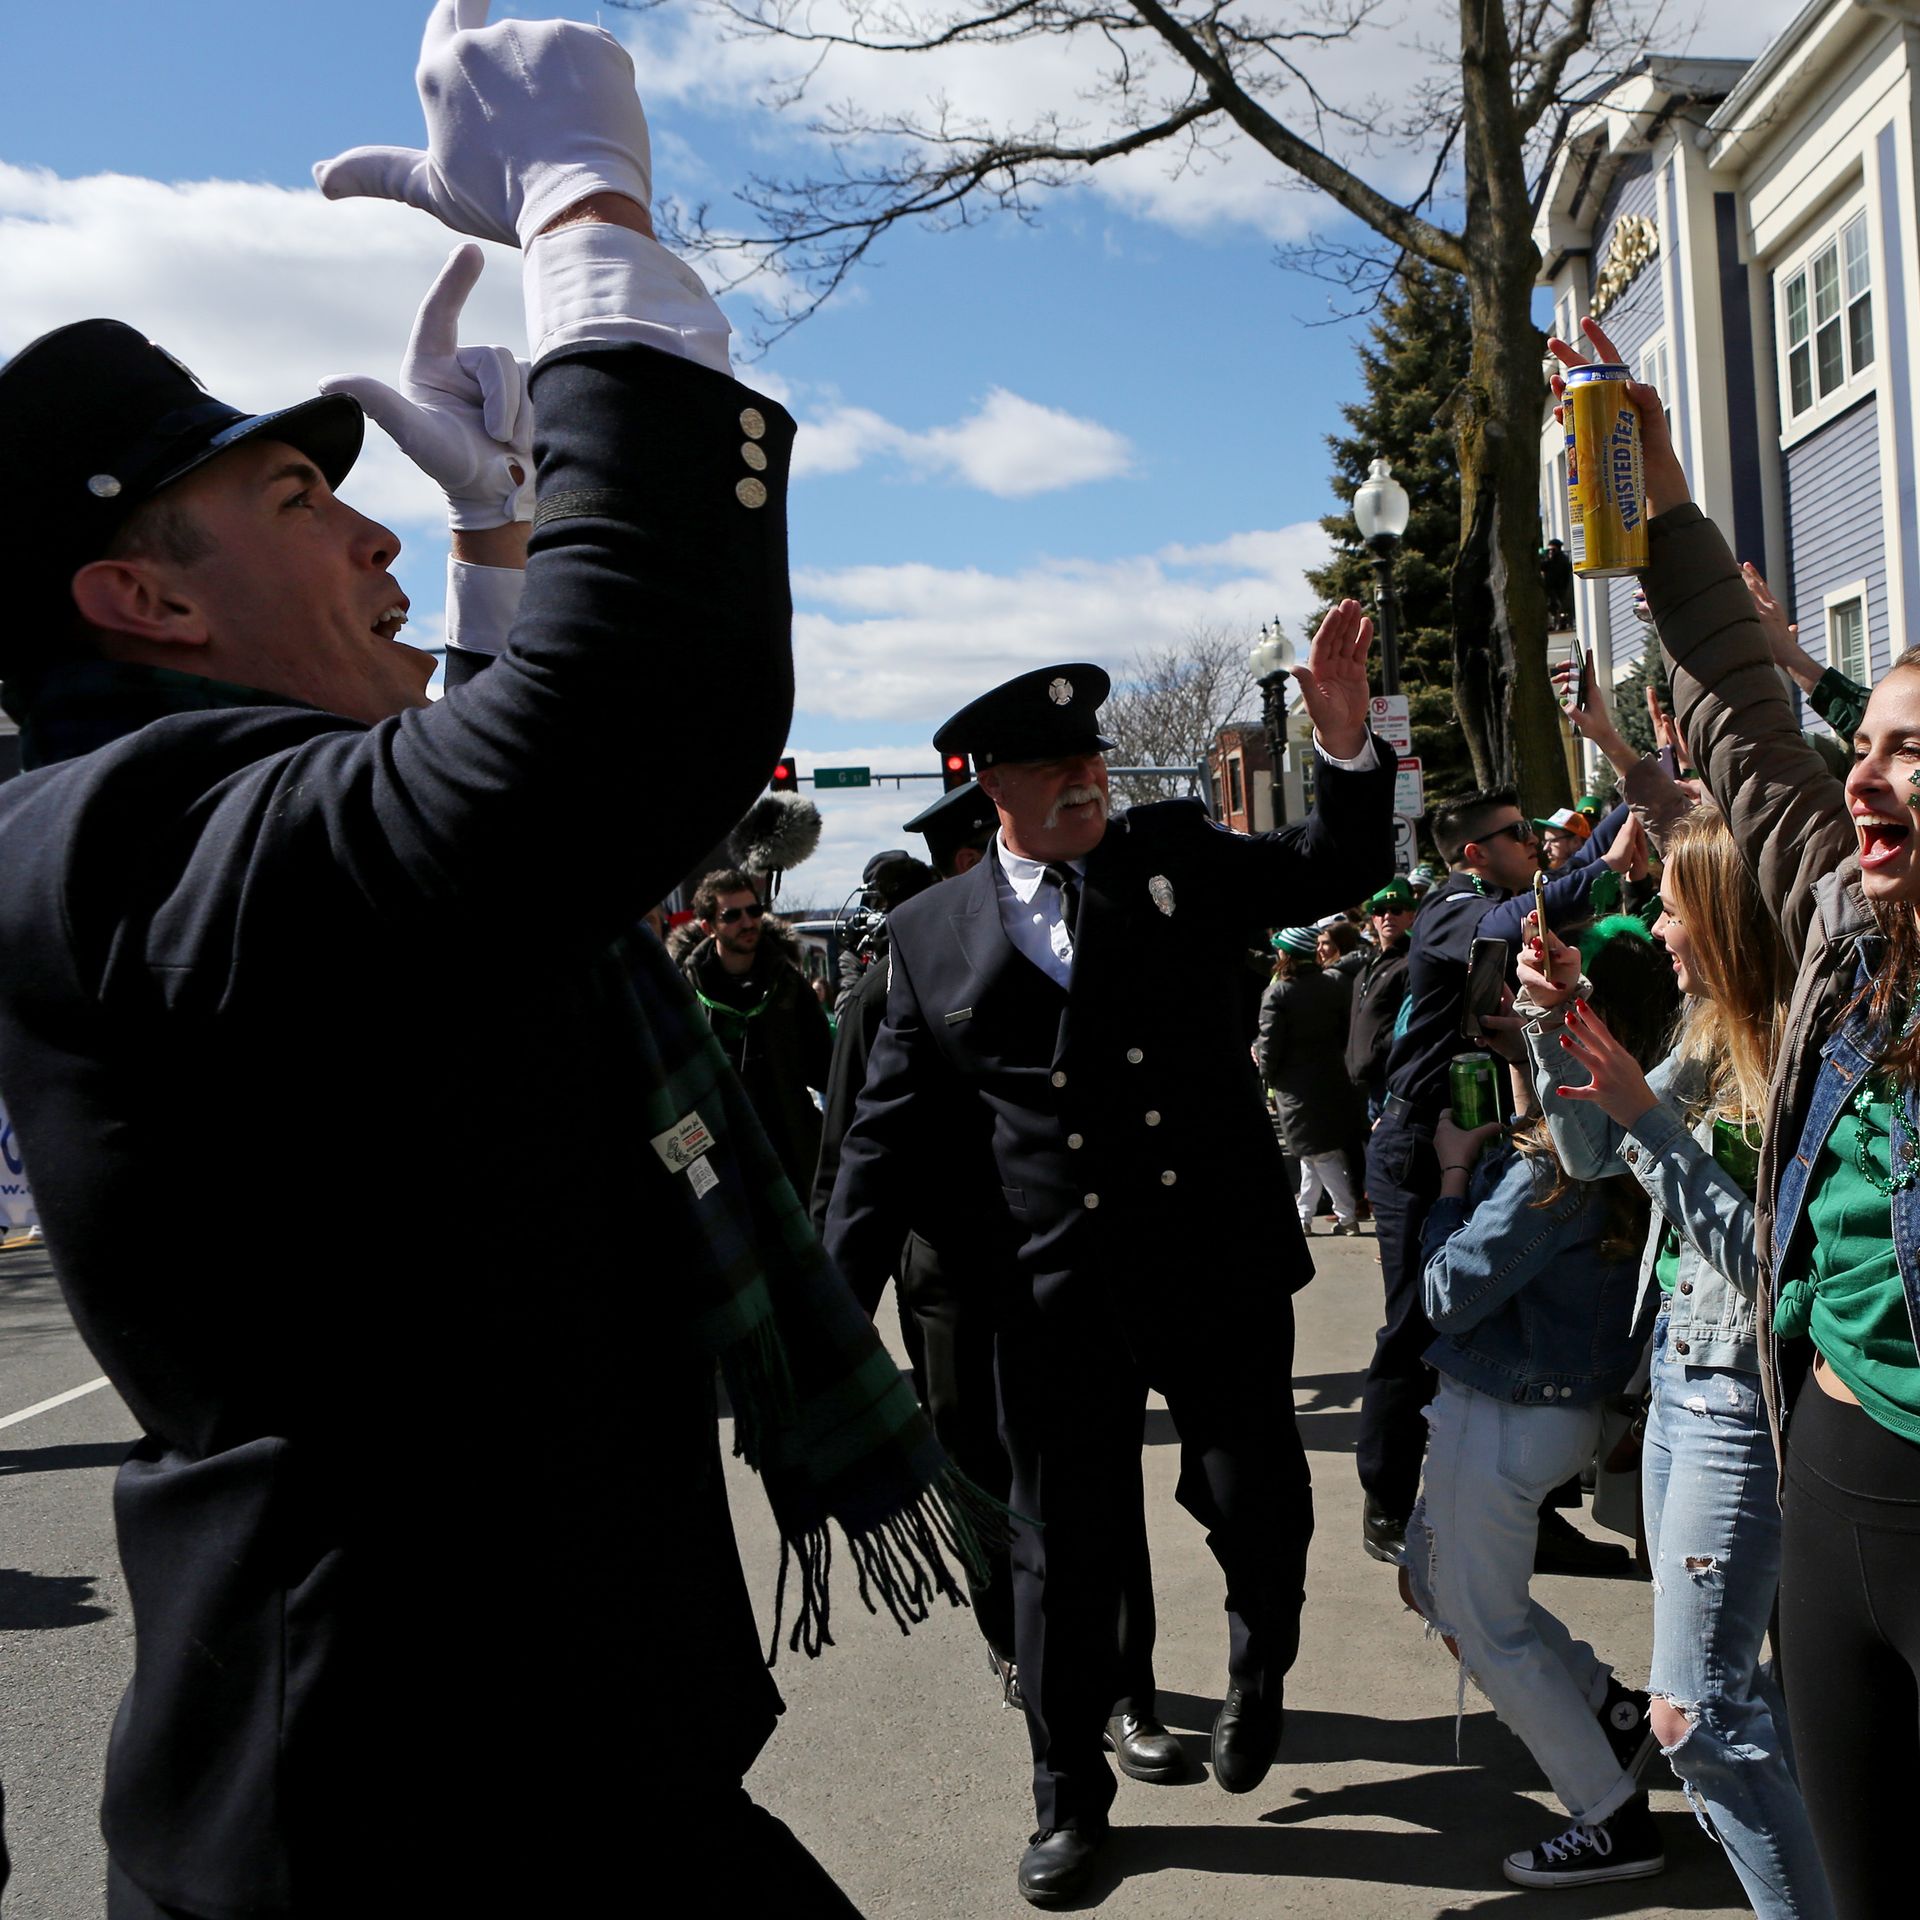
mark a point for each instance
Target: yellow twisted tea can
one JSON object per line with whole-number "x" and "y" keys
{"x": 1606, "y": 479}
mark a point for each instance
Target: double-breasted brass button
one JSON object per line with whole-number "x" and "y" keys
{"x": 1134, "y": 1056}
{"x": 755, "y": 457}
{"x": 1153, "y": 1117}
{"x": 753, "y": 423}
{"x": 1076, "y": 1140}
{"x": 1059, "y": 1079}
{"x": 751, "y": 493}
{"x": 1093, "y": 1200}
{"x": 1168, "y": 1178}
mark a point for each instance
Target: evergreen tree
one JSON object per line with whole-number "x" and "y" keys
{"x": 1421, "y": 346}
{"x": 1630, "y": 697}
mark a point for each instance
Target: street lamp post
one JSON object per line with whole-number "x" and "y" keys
{"x": 1271, "y": 661}
{"x": 1381, "y": 510}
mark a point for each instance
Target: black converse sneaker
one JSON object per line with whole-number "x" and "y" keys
{"x": 1623, "y": 1719}
{"x": 1625, "y": 1847}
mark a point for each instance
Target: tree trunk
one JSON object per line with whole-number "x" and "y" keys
{"x": 1502, "y": 687}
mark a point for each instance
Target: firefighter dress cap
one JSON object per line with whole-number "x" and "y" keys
{"x": 1051, "y": 713}
{"x": 957, "y": 819}
{"x": 94, "y": 420}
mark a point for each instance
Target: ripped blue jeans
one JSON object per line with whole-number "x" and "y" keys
{"x": 1713, "y": 1533}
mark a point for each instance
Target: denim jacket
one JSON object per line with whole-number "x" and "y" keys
{"x": 1845, "y": 1059}
{"x": 1710, "y": 1311}
{"x": 1526, "y": 1306}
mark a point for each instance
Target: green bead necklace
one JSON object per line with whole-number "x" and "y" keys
{"x": 1901, "y": 1138}
{"x": 1900, "y": 1135}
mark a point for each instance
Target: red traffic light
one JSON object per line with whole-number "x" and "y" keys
{"x": 786, "y": 776}
{"x": 953, "y": 772}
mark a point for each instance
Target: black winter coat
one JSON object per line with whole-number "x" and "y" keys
{"x": 1379, "y": 992}
{"x": 319, "y": 1053}
{"x": 1302, "y": 1054}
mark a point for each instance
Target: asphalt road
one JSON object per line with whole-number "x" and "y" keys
{"x": 896, "y": 1762}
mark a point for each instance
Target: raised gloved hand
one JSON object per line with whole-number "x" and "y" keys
{"x": 523, "y": 120}
{"x": 462, "y": 414}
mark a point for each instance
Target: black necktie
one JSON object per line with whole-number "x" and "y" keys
{"x": 1069, "y": 884}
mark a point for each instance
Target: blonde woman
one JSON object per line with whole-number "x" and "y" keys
{"x": 1689, "y": 1132}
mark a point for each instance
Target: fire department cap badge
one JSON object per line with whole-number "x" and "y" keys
{"x": 1060, "y": 690}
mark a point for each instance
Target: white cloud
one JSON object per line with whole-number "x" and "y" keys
{"x": 1013, "y": 447}
{"x": 1008, "y": 446}
{"x": 913, "y": 641}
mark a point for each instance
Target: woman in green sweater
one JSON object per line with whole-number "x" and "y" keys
{"x": 1837, "y": 1201}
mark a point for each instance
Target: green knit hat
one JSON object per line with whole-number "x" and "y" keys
{"x": 1296, "y": 940}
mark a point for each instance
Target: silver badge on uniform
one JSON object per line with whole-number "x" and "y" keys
{"x": 1060, "y": 690}
{"x": 1160, "y": 892}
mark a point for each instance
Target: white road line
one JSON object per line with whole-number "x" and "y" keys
{"x": 58, "y": 1400}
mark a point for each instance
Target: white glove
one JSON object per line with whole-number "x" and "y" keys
{"x": 462, "y": 415}
{"x": 523, "y": 119}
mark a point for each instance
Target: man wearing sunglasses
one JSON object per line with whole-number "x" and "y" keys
{"x": 763, "y": 1013}
{"x": 1494, "y": 853}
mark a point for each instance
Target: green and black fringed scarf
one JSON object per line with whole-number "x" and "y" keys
{"x": 821, "y": 1411}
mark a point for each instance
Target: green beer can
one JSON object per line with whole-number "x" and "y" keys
{"x": 1474, "y": 1090}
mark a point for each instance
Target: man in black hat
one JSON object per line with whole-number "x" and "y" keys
{"x": 948, "y": 1294}
{"x": 1064, "y": 1025}
{"x": 276, "y": 929}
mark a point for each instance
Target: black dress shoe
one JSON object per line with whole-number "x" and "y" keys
{"x": 1056, "y": 1864}
{"x": 1246, "y": 1736}
{"x": 1384, "y": 1535}
{"x": 1563, "y": 1548}
{"x": 1144, "y": 1749}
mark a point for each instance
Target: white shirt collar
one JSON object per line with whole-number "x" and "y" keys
{"x": 1025, "y": 876}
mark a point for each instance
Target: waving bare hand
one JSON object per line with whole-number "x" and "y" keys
{"x": 1333, "y": 683}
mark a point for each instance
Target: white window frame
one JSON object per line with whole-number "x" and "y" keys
{"x": 1855, "y": 381}
{"x": 1833, "y": 599}
{"x": 1654, "y": 367}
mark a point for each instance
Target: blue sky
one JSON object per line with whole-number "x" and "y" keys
{"x": 1018, "y": 444}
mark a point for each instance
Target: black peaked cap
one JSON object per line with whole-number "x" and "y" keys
{"x": 95, "y": 419}
{"x": 1048, "y": 714}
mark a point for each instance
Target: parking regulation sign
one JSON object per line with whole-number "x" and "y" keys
{"x": 1387, "y": 716}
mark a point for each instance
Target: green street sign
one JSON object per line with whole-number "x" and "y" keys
{"x": 843, "y": 776}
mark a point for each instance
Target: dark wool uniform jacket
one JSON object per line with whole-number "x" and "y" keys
{"x": 308, "y": 1032}
{"x": 1120, "y": 1122}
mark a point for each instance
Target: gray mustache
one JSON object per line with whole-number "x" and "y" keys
{"x": 1075, "y": 797}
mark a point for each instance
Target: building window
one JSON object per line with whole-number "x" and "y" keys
{"x": 1847, "y": 631}
{"x": 1827, "y": 315}
{"x": 1236, "y": 787}
{"x": 1656, "y": 369}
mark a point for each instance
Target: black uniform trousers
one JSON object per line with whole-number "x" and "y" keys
{"x": 962, "y": 1401}
{"x": 1073, "y": 1398}
{"x": 1403, "y": 1180}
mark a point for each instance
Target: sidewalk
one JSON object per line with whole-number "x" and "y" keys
{"x": 898, "y": 1766}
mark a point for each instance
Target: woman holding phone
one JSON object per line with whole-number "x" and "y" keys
{"x": 1688, "y": 1133}
{"x": 1837, "y": 1197}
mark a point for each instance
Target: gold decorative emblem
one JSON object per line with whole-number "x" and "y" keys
{"x": 1635, "y": 240}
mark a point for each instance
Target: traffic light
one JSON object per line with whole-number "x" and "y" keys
{"x": 953, "y": 772}
{"x": 786, "y": 776}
